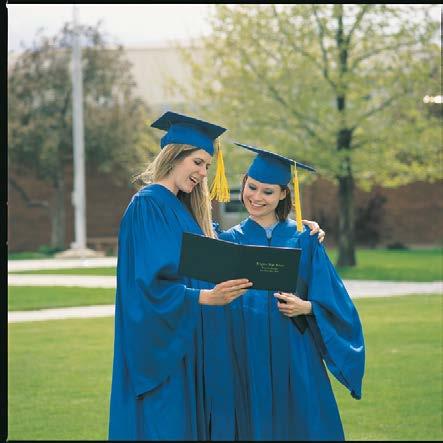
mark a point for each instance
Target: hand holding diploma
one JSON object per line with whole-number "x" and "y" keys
{"x": 224, "y": 292}
{"x": 291, "y": 305}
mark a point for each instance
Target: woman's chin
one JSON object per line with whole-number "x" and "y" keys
{"x": 187, "y": 189}
{"x": 255, "y": 211}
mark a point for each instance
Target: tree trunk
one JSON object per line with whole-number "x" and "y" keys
{"x": 346, "y": 234}
{"x": 346, "y": 228}
{"x": 346, "y": 244}
{"x": 58, "y": 212}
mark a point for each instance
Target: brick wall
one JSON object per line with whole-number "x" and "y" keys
{"x": 29, "y": 228}
{"x": 413, "y": 214}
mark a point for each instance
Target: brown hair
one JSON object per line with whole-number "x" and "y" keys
{"x": 197, "y": 201}
{"x": 284, "y": 206}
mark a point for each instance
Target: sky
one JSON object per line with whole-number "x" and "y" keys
{"x": 131, "y": 25}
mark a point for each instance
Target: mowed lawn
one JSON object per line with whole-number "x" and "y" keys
{"x": 60, "y": 374}
{"x": 372, "y": 264}
{"x": 24, "y": 298}
{"x": 394, "y": 265}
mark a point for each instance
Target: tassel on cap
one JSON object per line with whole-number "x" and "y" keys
{"x": 296, "y": 202}
{"x": 220, "y": 188}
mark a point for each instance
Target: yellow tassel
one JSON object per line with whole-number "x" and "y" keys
{"x": 220, "y": 187}
{"x": 296, "y": 202}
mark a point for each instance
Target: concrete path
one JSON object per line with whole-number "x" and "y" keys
{"x": 61, "y": 313}
{"x": 54, "y": 263}
{"x": 84, "y": 281}
{"x": 375, "y": 288}
{"x": 355, "y": 288}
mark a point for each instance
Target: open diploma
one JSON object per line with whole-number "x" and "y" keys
{"x": 215, "y": 261}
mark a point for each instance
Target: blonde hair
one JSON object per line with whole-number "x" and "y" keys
{"x": 197, "y": 201}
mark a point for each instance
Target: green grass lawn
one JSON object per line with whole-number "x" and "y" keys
{"x": 28, "y": 255}
{"x": 372, "y": 264}
{"x": 404, "y": 265}
{"x": 22, "y": 298}
{"x": 59, "y": 377}
{"x": 402, "y": 389}
{"x": 60, "y": 374}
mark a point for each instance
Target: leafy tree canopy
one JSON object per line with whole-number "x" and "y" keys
{"x": 297, "y": 78}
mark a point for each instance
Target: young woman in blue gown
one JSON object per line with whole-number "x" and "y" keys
{"x": 158, "y": 378}
{"x": 281, "y": 342}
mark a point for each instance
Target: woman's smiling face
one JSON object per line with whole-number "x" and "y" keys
{"x": 191, "y": 171}
{"x": 261, "y": 199}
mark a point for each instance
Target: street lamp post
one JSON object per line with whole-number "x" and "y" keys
{"x": 78, "y": 197}
{"x": 78, "y": 247}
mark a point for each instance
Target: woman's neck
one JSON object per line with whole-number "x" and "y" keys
{"x": 265, "y": 221}
{"x": 167, "y": 184}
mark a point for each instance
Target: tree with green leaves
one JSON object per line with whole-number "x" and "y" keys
{"x": 337, "y": 86}
{"x": 40, "y": 116}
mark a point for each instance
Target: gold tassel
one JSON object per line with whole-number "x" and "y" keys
{"x": 220, "y": 187}
{"x": 296, "y": 202}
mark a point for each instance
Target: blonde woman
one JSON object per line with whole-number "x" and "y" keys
{"x": 157, "y": 391}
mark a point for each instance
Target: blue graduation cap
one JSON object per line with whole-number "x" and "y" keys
{"x": 272, "y": 168}
{"x": 188, "y": 130}
{"x": 183, "y": 129}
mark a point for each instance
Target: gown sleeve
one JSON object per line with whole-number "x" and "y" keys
{"x": 336, "y": 321}
{"x": 217, "y": 229}
{"x": 156, "y": 314}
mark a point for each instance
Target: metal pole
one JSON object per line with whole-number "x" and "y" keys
{"x": 78, "y": 196}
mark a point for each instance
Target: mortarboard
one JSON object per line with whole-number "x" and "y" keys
{"x": 272, "y": 168}
{"x": 183, "y": 129}
{"x": 187, "y": 130}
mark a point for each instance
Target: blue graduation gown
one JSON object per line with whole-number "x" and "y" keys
{"x": 281, "y": 385}
{"x": 157, "y": 382}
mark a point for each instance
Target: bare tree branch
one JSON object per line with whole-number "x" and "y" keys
{"x": 323, "y": 69}
{"x": 357, "y": 22}
{"x": 379, "y": 108}
{"x": 360, "y": 143}
{"x": 270, "y": 54}
{"x": 275, "y": 94}
{"x": 321, "y": 34}
{"x": 369, "y": 54}
{"x": 25, "y": 197}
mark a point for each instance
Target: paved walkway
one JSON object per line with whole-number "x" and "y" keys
{"x": 355, "y": 288}
{"x": 375, "y": 288}
{"x": 84, "y": 281}
{"x": 61, "y": 313}
{"x": 54, "y": 263}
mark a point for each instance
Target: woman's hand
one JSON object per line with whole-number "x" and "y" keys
{"x": 315, "y": 228}
{"x": 291, "y": 305}
{"x": 224, "y": 292}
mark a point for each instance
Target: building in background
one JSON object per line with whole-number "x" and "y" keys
{"x": 394, "y": 217}
{"x": 153, "y": 67}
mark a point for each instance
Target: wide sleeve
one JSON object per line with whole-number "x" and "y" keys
{"x": 337, "y": 321}
{"x": 156, "y": 313}
{"x": 217, "y": 228}
{"x": 228, "y": 235}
